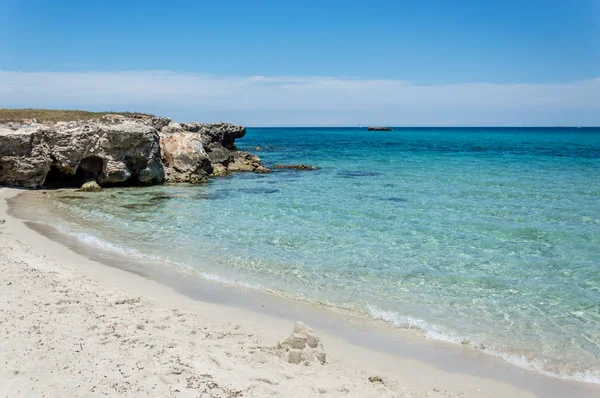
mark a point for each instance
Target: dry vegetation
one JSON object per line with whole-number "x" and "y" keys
{"x": 52, "y": 115}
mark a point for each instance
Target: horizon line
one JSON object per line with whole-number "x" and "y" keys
{"x": 430, "y": 127}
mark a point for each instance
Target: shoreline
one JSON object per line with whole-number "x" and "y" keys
{"x": 459, "y": 373}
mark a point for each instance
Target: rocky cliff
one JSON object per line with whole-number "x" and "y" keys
{"x": 116, "y": 150}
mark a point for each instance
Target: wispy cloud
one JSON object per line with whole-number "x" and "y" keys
{"x": 264, "y": 100}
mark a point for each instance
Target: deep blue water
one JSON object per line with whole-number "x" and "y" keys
{"x": 479, "y": 236}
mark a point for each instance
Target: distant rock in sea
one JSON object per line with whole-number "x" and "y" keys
{"x": 379, "y": 129}
{"x": 119, "y": 150}
{"x": 295, "y": 166}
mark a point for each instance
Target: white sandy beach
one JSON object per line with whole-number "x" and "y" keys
{"x": 70, "y": 327}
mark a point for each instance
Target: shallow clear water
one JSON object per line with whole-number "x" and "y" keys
{"x": 486, "y": 237}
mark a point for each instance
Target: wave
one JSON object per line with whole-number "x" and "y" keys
{"x": 436, "y": 332}
{"x": 409, "y": 323}
{"x": 96, "y": 242}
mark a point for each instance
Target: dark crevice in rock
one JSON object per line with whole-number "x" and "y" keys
{"x": 90, "y": 168}
{"x": 57, "y": 178}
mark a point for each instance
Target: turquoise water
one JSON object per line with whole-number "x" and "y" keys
{"x": 483, "y": 237}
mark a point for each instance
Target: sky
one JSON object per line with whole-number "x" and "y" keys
{"x": 308, "y": 63}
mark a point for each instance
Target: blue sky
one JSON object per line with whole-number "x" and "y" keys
{"x": 362, "y": 55}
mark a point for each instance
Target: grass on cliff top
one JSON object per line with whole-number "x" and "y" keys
{"x": 52, "y": 116}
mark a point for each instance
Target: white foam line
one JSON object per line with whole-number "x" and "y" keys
{"x": 435, "y": 332}
{"x": 94, "y": 241}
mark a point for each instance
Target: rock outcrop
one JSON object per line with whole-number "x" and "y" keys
{"x": 191, "y": 152}
{"x": 244, "y": 162}
{"x": 294, "y": 166}
{"x": 68, "y": 154}
{"x": 184, "y": 157}
{"x": 90, "y": 186}
{"x": 118, "y": 150}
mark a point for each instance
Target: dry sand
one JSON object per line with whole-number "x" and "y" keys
{"x": 70, "y": 327}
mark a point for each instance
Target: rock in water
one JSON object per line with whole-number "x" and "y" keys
{"x": 303, "y": 346}
{"x": 246, "y": 162}
{"x": 379, "y": 129}
{"x": 90, "y": 186}
{"x": 243, "y": 161}
{"x": 193, "y": 151}
{"x": 219, "y": 170}
{"x": 262, "y": 169}
{"x": 295, "y": 166}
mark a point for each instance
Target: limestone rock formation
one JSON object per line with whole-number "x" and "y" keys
{"x": 90, "y": 186}
{"x": 193, "y": 151}
{"x": 119, "y": 150}
{"x": 68, "y": 154}
{"x": 219, "y": 171}
{"x": 184, "y": 157}
{"x": 218, "y": 134}
{"x": 219, "y": 141}
{"x": 303, "y": 346}
{"x": 243, "y": 161}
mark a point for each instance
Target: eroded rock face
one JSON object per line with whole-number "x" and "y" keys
{"x": 243, "y": 161}
{"x": 218, "y": 134}
{"x": 192, "y": 152}
{"x": 24, "y": 158}
{"x": 68, "y": 154}
{"x": 184, "y": 157}
{"x": 117, "y": 150}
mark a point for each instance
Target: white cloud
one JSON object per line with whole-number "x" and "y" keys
{"x": 263, "y": 100}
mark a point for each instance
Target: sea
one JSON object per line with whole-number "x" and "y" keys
{"x": 487, "y": 238}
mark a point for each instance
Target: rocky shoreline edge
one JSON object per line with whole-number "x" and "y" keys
{"x": 116, "y": 150}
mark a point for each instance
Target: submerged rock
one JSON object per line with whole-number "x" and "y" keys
{"x": 90, "y": 186}
{"x": 160, "y": 198}
{"x": 262, "y": 169}
{"x": 137, "y": 205}
{"x": 295, "y": 166}
{"x": 352, "y": 174}
{"x": 72, "y": 197}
